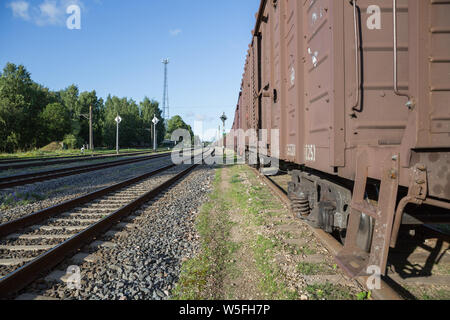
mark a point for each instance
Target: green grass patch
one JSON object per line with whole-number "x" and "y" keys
{"x": 328, "y": 291}
{"x": 19, "y": 199}
{"x": 307, "y": 250}
{"x": 256, "y": 206}
{"x": 440, "y": 294}
{"x": 200, "y": 275}
{"x": 270, "y": 284}
{"x": 307, "y": 268}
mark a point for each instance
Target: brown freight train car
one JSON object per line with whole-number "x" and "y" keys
{"x": 360, "y": 92}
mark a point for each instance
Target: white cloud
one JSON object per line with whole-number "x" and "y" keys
{"x": 175, "y": 32}
{"x": 20, "y": 9}
{"x": 48, "y": 12}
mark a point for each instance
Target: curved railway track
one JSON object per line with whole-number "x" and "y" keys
{"x": 24, "y": 179}
{"x": 34, "y": 244}
{"x": 44, "y": 162}
{"x": 420, "y": 261}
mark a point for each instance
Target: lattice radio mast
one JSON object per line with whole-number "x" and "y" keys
{"x": 165, "y": 101}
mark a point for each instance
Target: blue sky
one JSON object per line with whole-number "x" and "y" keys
{"x": 120, "y": 45}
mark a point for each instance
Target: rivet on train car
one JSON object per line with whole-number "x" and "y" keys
{"x": 410, "y": 104}
{"x": 421, "y": 167}
{"x": 420, "y": 181}
{"x": 383, "y": 94}
{"x": 393, "y": 174}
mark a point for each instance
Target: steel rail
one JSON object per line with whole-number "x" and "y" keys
{"x": 70, "y": 156}
{"x": 42, "y": 162}
{"x": 20, "y": 180}
{"x": 29, "y": 220}
{"x": 333, "y": 246}
{"x": 23, "y": 276}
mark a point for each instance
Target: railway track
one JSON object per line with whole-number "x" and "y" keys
{"x": 30, "y": 178}
{"x": 34, "y": 244}
{"x": 419, "y": 264}
{"x": 44, "y": 162}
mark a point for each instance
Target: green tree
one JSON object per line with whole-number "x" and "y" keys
{"x": 85, "y": 101}
{"x": 175, "y": 123}
{"x": 56, "y": 120}
{"x": 21, "y": 101}
{"x": 150, "y": 109}
{"x": 131, "y": 133}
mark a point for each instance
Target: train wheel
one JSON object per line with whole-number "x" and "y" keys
{"x": 364, "y": 239}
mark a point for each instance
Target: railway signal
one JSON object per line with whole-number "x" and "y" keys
{"x": 155, "y": 122}
{"x": 223, "y": 118}
{"x": 118, "y": 121}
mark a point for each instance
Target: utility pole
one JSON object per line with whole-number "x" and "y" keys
{"x": 165, "y": 101}
{"x": 91, "y": 136}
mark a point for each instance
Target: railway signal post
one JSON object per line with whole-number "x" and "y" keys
{"x": 155, "y": 121}
{"x": 223, "y": 118}
{"x": 118, "y": 121}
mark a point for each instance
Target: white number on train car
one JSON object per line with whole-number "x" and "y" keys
{"x": 310, "y": 152}
{"x": 291, "y": 150}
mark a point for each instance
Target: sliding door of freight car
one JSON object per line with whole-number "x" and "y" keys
{"x": 431, "y": 83}
{"x": 293, "y": 75}
{"x": 276, "y": 86}
{"x": 380, "y": 116}
{"x": 323, "y": 52}
{"x": 266, "y": 70}
{"x": 378, "y": 120}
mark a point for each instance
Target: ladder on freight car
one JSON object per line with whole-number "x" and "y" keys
{"x": 353, "y": 259}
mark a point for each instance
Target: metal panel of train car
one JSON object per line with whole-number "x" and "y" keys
{"x": 376, "y": 116}
{"x": 266, "y": 71}
{"x": 293, "y": 75}
{"x": 430, "y": 84}
{"x": 324, "y": 84}
{"x": 278, "y": 116}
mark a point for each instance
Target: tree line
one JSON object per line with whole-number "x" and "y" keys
{"x": 32, "y": 116}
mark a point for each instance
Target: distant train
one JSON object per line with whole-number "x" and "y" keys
{"x": 360, "y": 93}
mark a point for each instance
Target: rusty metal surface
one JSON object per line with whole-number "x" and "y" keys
{"x": 346, "y": 86}
{"x": 437, "y": 166}
{"x": 325, "y": 115}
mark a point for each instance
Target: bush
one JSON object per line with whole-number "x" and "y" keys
{"x": 70, "y": 141}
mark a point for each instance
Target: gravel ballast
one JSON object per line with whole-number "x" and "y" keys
{"x": 49, "y": 193}
{"x": 144, "y": 262}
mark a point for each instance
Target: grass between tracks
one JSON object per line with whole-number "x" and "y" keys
{"x": 238, "y": 259}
